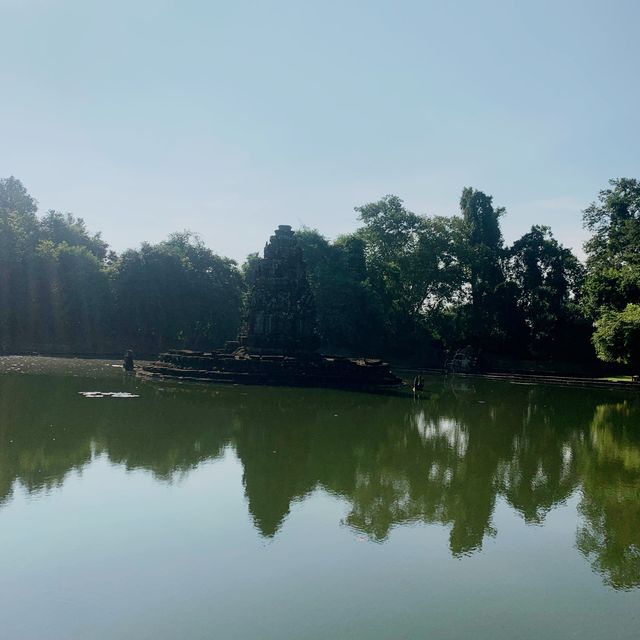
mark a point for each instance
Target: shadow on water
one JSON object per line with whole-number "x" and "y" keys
{"x": 444, "y": 459}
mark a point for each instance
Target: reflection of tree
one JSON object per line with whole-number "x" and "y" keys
{"x": 441, "y": 461}
{"x": 38, "y": 447}
{"x": 169, "y": 434}
{"x": 444, "y": 460}
{"x": 610, "y": 535}
{"x": 47, "y": 430}
{"x": 432, "y": 469}
{"x": 541, "y": 471}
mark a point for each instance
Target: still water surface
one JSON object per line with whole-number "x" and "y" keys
{"x": 483, "y": 510}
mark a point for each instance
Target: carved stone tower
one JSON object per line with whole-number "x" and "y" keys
{"x": 281, "y": 315}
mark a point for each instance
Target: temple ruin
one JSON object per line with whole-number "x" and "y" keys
{"x": 279, "y": 339}
{"x": 281, "y": 315}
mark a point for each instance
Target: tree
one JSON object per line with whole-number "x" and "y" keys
{"x": 14, "y": 198}
{"x": 613, "y": 263}
{"x": 413, "y": 265}
{"x": 612, "y": 286}
{"x": 608, "y": 287}
{"x": 73, "y": 298}
{"x": 19, "y": 227}
{"x": 617, "y": 335}
{"x": 481, "y": 219}
{"x": 54, "y": 293}
{"x": 482, "y": 258}
{"x": 614, "y": 220}
{"x": 548, "y": 278}
{"x": 390, "y": 229}
{"x": 176, "y": 293}
{"x": 59, "y": 227}
{"x": 390, "y": 236}
{"x": 349, "y": 316}
{"x": 19, "y": 237}
{"x": 249, "y": 267}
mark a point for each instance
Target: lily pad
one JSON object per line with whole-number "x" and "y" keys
{"x": 107, "y": 394}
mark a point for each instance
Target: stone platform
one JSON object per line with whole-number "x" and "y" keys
{"x": 240, "y": 367}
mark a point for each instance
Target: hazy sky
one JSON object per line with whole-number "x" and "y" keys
{"x": 147, "y": 117}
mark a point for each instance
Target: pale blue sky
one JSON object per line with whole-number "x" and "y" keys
{"x": 146, "y": 117}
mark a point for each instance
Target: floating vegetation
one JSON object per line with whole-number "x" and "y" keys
{"x": 107, "y": 394}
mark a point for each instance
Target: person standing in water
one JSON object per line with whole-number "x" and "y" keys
{"x": 127, "y": 363}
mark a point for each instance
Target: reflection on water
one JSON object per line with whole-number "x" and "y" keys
{"x": 445, "y": 459}
{"x": 610, "y": 474}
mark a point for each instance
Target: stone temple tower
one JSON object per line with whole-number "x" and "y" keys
{"x": 281, "y": 315}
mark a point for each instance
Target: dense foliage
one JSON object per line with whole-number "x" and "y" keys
{"x": 402, "y": 284}
{"x": 612, "y": 285}
{"x": 62, "y": 291}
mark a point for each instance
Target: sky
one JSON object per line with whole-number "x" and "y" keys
{"x": 229, "y": 118}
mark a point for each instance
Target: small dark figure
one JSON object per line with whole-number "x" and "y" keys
{"x": 127, "y": 364}
{"x": 418, "y": 385}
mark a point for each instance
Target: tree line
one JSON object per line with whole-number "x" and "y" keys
{"x": 401, "y": 285}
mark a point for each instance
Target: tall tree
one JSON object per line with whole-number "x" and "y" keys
{"x": 612, "y": 286}
{"x": 176, "y": 293}
{"x": 413, "y": 265}
{"x": 59, "y": 227}
{"x": 617, "y": 336}
{"x": 73, "y": 298}
{"x": 349, "y": 316}
{"x": 548, "y": 279}
{"x": 19, "y": 236}
{"x": 19, "y": 227}
{"x": 15, "y": 198}
{"x": 614, "y": 220}
{"x": 484, "y": 251}
{"x": 54, "y": 293}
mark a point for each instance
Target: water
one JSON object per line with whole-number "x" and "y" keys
{"x": 483, "y": 510}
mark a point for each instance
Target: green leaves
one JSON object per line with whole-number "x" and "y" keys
{"x": 614, "y": 220}
{"x": 481, "y": 219}
{"x": 400, "y": 283}
{"x": 61, "y": 290}
{"x": 617, "y": 335}
{"x": 612, "y": 286}
{"x": 176, "y": 293}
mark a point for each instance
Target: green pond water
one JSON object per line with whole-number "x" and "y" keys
{"x": 483, "y": 510}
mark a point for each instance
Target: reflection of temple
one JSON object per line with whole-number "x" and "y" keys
{"x": 446, "y": 460}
